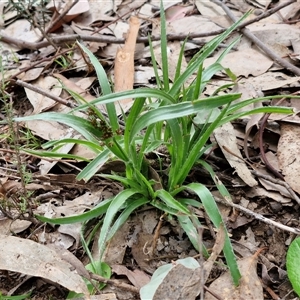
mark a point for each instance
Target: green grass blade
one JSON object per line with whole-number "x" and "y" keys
{"x": 101, "y": 74}
{"x": 180, "y": 110}
{"x": 164, "y": 48}
{"x": 130, "y": 120}
{"x": 189, "y": 228}
{"x": 180, "y": 58}
{"x": 207, "y": 50}
{"x": 116, "y": 204}
{"x": 172, "y": 202}
{"x": 178, "y": 146}
{"x": 81, "y": 125}
{"x": 134, "y": 204}
{"x": 116, "y": 147}
{"x": 265, "y": 109}
{"x": 93, "y": 146}
{"x": 99, "y": 210}
{"x": 220, "y": 186}
{"x": 164, "y": 207}
{"x": 93, "y": 167}
{"x": 238, "y": 105}
{"x": 105, "y": 86}
{"x": 214, "y": 214}
{"x": 137, "y": 93}
{"x": 56, "y": 155}
{"x": 195, "y": 152}
{"x": 126, "y": 182}
{"x": 154, "y": 65}
{"x": 197, "y": 89}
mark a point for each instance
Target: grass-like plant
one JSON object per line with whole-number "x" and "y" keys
{"x": 160, "y": 117}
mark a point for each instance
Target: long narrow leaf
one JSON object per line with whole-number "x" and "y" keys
{"x": 56, "y": 155}
{"x": 238, "y": 105}
{"x": 137, "y": 93}
{"x": 116, "y": 204}
{"x": 214, "y": 214}
{"x": 172, "y": 202}
{"x": 133, "y": 115}
{"x": 81, "y": 125}
{"x": 105, "y": 86}
{"x": 195, "y": 152}
{"x": 92, "y": 168}
{"x": 93, "y": 146}
{"x": 164, "y": 47}
{"x": 180, "y": 110}
{"x": 207, "y": 50}
{"x": 101, "y": 74}
{"x": 265, "y": 109}
{"x": 220, "y": 186}
{"x": 190, "y": 230}
{"x": 125, "y": 215}
{"x": 99, "y": 210}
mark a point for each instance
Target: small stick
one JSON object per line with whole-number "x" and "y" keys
{"x": 44, "y": 93}
{"x": 261, "y": 148}
{"x": 115, "y": 282}
{"x": 65, "y": 10}
{"x": 258, "y": 216}
{"x": 156, "y": 234}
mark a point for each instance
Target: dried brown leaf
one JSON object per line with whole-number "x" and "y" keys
{"x": 28, "y": 257}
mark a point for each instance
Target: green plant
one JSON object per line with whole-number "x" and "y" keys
{"x": 161, "y": 117}
{"x": 14, "y": 138}
{"x": 65, "y": 61}
{"x": 292, "y": 264}
{"x": 21, "y": 297}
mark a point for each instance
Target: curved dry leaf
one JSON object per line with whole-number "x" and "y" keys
{"x": 28, "y": 257}
{"x": 250, "y": 287}
{"x": 137, "y": 277}
{"x": 40, "y": 102}
{"x": 22, "y": 29}
{"x": 271, "y": 33}
{"x": 244, "y": 62}
{"x": 289, "y": 154}
{"x": 209, "y": 9}
{"x": 225, "y": 137}
{"x": 270, "y": 81}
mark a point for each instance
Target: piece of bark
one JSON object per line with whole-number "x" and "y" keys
{"x": 124, "y": 65}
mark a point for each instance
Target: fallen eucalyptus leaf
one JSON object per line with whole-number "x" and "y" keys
{"x": 28, "y": 257}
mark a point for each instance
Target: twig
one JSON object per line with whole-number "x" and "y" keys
{"x": 61, "y": 15}
{"x": 259, "y": 43}
{"x": 267, "y": 13}
{"x": 261, "y": 147}
{"x": 213, "y": 293}
{"x": 258, "y": 216}
{"x": 35, "y": 64}
{"x": 88, "y": 38}
{"x": 44, "y": 93}
{"x": 156, "y": 234}
{"x": 115, "y": 282}
{"x": 114, "y": 21}
{"x": 270, "y": 291}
